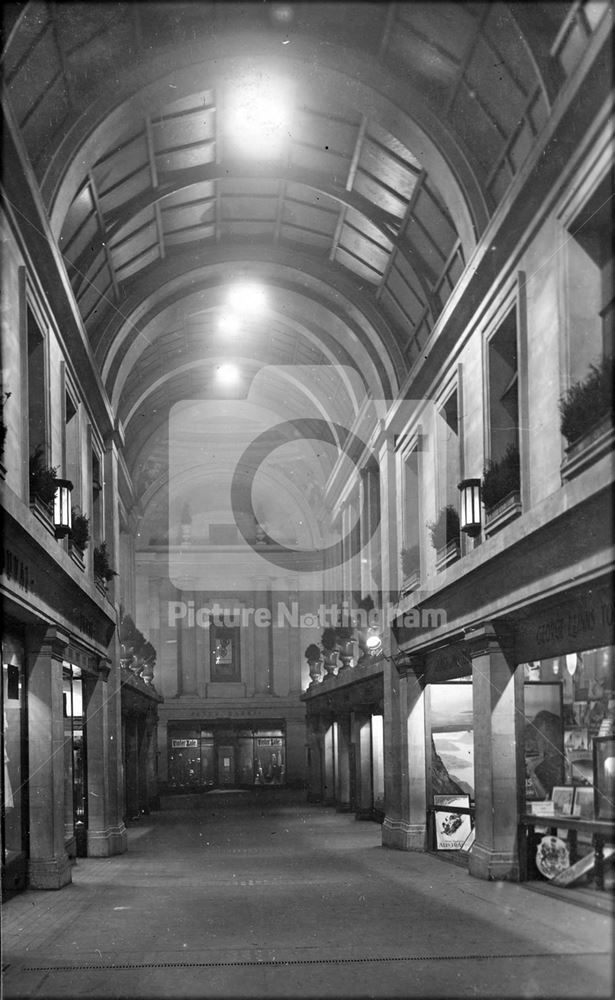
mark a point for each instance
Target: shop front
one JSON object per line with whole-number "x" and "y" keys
{"x": 14, "y": 816}
{"x": 346, "y": 736}
{"x": 223, "y": 754}
{"x": 518, "y": 717}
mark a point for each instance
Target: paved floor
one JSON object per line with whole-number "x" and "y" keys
{"x": 262, "y": 895}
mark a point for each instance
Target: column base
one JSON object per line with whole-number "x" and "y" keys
{"x": 495, "y": 866}
{"x": 49, "y": 873}
{"x": 104, "y": 843}
{"x": 403, "y": 836}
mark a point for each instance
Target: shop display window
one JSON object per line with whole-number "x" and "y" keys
{"x": 75, "y": 759}
{"x": 570, "y": 717}
{"x": 200, "y": 759}
{"x": 452, "y": 738}
{"x": 14, "y": 768}
{"x": 451, "y": 718}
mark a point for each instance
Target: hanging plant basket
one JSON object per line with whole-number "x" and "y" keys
{"x": 587, "y": 401}
{"x": 501, "y": 478}
{"x": 102, "y": 566}
{"x": 42, "y": 478}
{"x": 445, "y": 529}
{"x": 80, "y": 530}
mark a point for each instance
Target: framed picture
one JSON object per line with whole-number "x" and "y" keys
{"x": 583, "y": 805}
{"x": 576, "y": 739}
{"x": 562, "y": 797}
{"x": 224, "y": 655}
{"x": 452, "y": 829}
{"x": 604, "y": 777}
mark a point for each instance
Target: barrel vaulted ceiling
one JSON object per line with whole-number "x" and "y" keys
{"x": 376, "y": 142}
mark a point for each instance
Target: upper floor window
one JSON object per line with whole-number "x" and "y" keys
{"x": 448, "y": 452}
{"x": 38, "y": 431}
{"x": 590, "y": 283}
{"x": 71, "y": 443}
{"x": 410, "y": 553}
{"x": 503, "y": 376}
{"x": 97, "y": 511}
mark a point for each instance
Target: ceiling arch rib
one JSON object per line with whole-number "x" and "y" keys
{"x": 325, "y": 395}
{"x": 105, "y": 243}
{"x": 321, "y": 302}
{"x": 182, "y": 335}
{"x": 368, "y": 90}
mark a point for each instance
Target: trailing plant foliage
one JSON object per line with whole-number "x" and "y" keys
{"x": 502, "y": 477}
{"x": 102, "y": 566}
{"x": 587, "y": 400}
{"x": 366, "y": 604}
{"x": 312, "y": 653}
{"x": 445, "y": 528}
{"x": 410, "y": 560}
{"x": 3, "y": 398}
{"x": 42, "y": 477}
{"x": 80, "y": 530}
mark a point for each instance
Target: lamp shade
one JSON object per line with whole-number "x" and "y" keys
{"x": 469, "y": 518}
{"x": 62, "y": 521}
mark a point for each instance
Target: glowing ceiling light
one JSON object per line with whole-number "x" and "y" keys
{"x": 227, "y": 374}
{"x": 258, "y": 115}
{"x": 229, "y": 323}
{"x": 247, "y": 298}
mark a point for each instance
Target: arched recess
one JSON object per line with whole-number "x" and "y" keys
{"x": 309, "y": 305}
{"x": 396, "y": 104}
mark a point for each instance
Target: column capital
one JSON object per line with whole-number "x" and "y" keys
{"x": 103, "y": 666}
{"x": 409, "y": 663}
{"x": 55, "y": 643}
{"x": 487, "y": 637}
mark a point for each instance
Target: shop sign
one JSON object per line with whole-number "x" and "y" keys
{"x": 184, "y": 744}
{"x": 445, "y": 664}
{"x": 17, "y": 570}
{"x": 572, "y": 626}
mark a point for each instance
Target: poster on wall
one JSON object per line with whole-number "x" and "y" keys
{"x": 544, "y": 739}
{"x": 452, "y": 829}
{"x": 452, "y": 731}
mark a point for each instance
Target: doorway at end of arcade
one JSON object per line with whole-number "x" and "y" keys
{"x": 217, "y": 756}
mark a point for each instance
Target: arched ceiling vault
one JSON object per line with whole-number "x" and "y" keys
{"x": 402, "y": 128}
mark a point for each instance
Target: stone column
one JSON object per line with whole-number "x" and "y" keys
{"x": 153, "y": 795}
{"x": 97, "y": 728}
{"x": 262, "y": 643}
{"x": 498, "y": 762}
{"x": 144, "y": 751}
{"x": 328, "y": 771}
{"x": 48, "y": 865}
{"x": 131, "y": 752}
{"x": 342, "y": 765}
{"x": 370, "y": 510}
{"x": 315, "y": 759}
{"x": 118, "y": 841}
{"x": 163, "y": 752}
{"x": 362, "y": 725}
{"x": 187, "y": 652}
{"x": 405, "y": 823}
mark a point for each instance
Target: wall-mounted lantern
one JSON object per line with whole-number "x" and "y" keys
{"x": 469, "y": 517}
{"x": 62, "y": 521}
